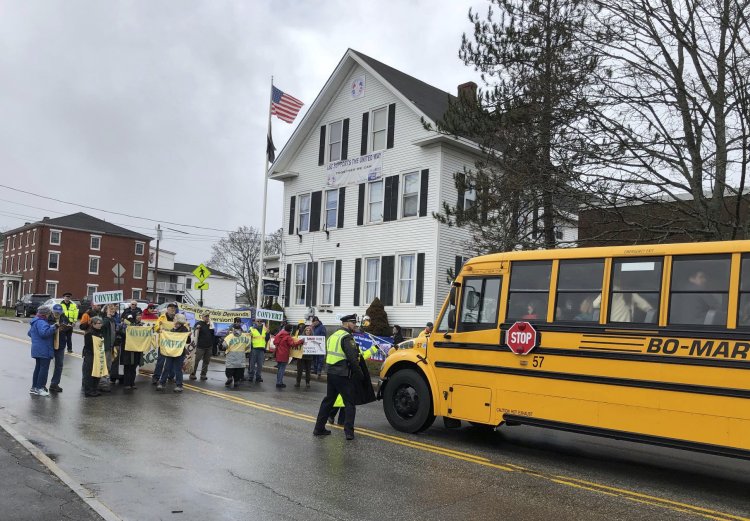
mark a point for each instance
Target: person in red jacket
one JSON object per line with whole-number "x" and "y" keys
{"x": 284, "y": 344}
{"x": 150, "y": 312}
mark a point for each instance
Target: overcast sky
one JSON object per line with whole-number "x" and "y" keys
{"x": 159, "y": 108}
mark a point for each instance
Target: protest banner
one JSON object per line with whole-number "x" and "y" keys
{"x": 139, "y": 338}
{"x": 108, "y": 297}
{"x": 238, "y": 343}
{"x": 366, "y": 340}
{"x": 351, "y": 172}
{"x": 314, "y": 345}
{"x": 221, "y": 319}
{"x": 172, "y": 343}
{"x": 100, "y": 369}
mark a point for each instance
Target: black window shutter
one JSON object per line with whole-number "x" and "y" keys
{"x": 423, "y": 192}
{"x": 387, "y": 272}
{"x": 357, "y": 275}
{"x": 288, "y": 289}
{"x": 394, "y": 198}
{"x": 391, "y": 124}
{"x": 345, "y": 140}
{"x": 314, "y": 283}
{"x": 419, "y": 298}
{"x": 315, "y": 200}
{"x": 308, "y": 282}
{"x": 460, "y": 180}
{"x": 457, "y": 267}
{"x": 322, "y": 149}
{"x": 337, "y": 285}
{"x": 361, "y": 206}
{"x": 387, "y": 196}
{"x": 365, "y": 133}
{"x": 292, "y": 216}
{"x": 342, "y": 201}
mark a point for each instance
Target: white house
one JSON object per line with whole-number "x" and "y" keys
{"x": 362, "y": 178}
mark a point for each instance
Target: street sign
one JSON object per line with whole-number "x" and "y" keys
{"x": 521, "y": 338}
{"x": 201, "y": 272}
{"x": 119, "y": 280}
{"x": 271, "y": 288}
{"x": 108, "y": 297}
{"x": 118, "y": 270}
{"x": 201, "y": 286}
{"x": 269, "y": 314}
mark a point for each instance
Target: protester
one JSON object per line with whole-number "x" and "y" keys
{"x": 63, "y": 327}
{"x": 318, "y": 329}
{"x": 173, "y": 364}
{"x": 109, "y": 335}
{"x": 165, "y": 322}
{"x": 93, "y": 311}
{"x": 203, "y": 335}
{"x": 398, "y": 337}
{"x": 70, "y": 310}
{"x": 284, "y": 344}
{"x": 90, "y": 382}
{"x": 260, "y": 337}
{"x": 42, "y": 330}
{"x": 342, "y": 359}
{"x": 236, "y": 343}
{"x": 305, "y": 362}
{"x": 130, "y": 360}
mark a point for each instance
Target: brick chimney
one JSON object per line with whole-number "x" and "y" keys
{"x": 467, "y": 90}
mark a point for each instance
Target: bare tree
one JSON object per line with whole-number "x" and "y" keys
{"x": 239, "y": 255}
{"x": 674, "y": 116}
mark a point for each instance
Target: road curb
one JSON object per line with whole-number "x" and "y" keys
{"x": 85, "y": 494}
{"x": 9, "y": 319}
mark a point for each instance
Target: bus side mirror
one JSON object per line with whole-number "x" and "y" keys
{"x": 452, "y": 319}
{"x": 452, "y": 297}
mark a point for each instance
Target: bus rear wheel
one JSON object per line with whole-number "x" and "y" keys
{"x": 407, "y": 402}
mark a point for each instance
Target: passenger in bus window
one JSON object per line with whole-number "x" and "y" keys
{"x": 693, "y": 305}
{"x": 586, "y": 310}
{"x": 532, "y": 310}
{"x": 623, "y": 306}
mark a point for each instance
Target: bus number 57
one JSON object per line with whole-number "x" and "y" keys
{"x": 537, "y": 361}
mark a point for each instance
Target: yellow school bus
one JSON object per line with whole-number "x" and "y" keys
{"x": 641, "y": 343}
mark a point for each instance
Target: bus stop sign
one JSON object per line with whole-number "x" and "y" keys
{"x": 521, "y": 338}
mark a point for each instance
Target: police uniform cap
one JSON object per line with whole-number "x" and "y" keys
{"x": 68, "y": 294}
{"x": 349, "y": 318}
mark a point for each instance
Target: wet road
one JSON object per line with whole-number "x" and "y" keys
{"x": 249, "y": 454}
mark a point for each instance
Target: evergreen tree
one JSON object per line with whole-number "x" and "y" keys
{"x": 378, "y": 319}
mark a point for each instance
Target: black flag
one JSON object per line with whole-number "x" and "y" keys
{"x": 270, "y": 149}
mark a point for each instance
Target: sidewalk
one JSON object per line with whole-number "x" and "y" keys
{"x": 32, "y": 491}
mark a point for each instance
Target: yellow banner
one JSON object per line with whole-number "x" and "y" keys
{"x": 100, "y": 369}
{"x": 138, "y": 338}
{"x": 238, "y": 343}
{"x": 172, "y": 343}
{"x": 216, "y": 315}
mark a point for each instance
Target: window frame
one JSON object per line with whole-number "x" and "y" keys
{"x": 542, "y": 313}
{"x": 462, "y": 327}
{"x": 558, "y": 291}
{"x": 90, "y": 294}
{"x": 91, "y": 242}
{"x": 298, "y": 286}
{"x": 366, "y": 281}
{"x": 334, "y": 210}
{"x": 412, "y": 280}
{"x": 26, "y": 261}
{"x": 31, "y": 266}
{"x": 323, "y": 282}
{"x": 137, "y": 263}
{"x": 59, "y": 236}
{"x": 470, "y": 198}
{"x": 370, "y": 184}
{"x": 56, "y": 283}
{"x": 28, "y": 233}
{"x": 417, "y": 194}
{"x": 373, "y": 130}
{"x": 611, "y": 292}
{"x": 329, "y": 142}
{"x": 300, "y": 213}
{"x": 98, "y": 264}
{"x": 697, "y": 257}
{"x": 143, "y": 248}
{"x": 49, "y": 258}
{"x": 134, "y": 296}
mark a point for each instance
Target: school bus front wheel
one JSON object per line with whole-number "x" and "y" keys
{"x": 407, "y": 402}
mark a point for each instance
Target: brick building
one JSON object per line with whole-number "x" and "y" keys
{"x": 73, "y": 253}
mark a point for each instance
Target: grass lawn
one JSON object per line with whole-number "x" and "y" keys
{"x": 7, "y": 312}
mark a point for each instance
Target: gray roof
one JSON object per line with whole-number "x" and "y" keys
{"x": 88, "y": 223}
{"x": 188, "y": 268}
{"x": 430, "y": 100}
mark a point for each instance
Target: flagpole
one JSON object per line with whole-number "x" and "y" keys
{"x": 258, "y": 302}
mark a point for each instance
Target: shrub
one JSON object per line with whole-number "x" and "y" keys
{"x": 378, "y": 319}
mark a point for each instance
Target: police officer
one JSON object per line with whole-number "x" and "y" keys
{"x": 70, "y": 310}
{"x": 342, "y": 359}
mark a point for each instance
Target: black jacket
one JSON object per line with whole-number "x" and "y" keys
{"x": 350, "y": 366}
{"x": 204, "y": 338}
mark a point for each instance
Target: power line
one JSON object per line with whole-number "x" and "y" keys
{"x": 113, "y": 212}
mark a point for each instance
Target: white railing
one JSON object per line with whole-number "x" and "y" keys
{"x": 167, "y": 287}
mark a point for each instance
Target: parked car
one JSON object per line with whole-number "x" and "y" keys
{"x": 51, "y": 302}
{"x": 29, "y": 304}
{"x": 142, "y": 304}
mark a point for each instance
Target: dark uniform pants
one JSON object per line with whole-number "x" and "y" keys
{"x": 338, "y": 385}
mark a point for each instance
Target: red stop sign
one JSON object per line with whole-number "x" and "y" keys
{"x": 521, "y": 338}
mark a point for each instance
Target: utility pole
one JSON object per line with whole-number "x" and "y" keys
{"x": 261, "y": 267}
{"x": 156, "y": 263}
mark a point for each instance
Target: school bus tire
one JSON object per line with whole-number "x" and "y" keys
{"x": 407, "y": 402}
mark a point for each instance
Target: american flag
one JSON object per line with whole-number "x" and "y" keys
{"x": 284, "y": 106}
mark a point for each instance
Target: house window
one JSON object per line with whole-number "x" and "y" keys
{"x": 375, "y": 205}
{"x": 137, "y": 270}
{"x": 140, "y": 247}
{"x": 33, "y": 238}
{"x": 91, "y": 289}
{"x": 406, "y": 279}
{"x": 53, "y": 262}
{"x": 334, "y": 140}
{"x": 13, "y": 244}
{"x": 52, "y": 288}
{"x": 372, "y": 278}
{"x": 137, "y": 293}
{"x": 327, "y": 269}
{"x": 55, "y": 237}
{"x": 93, "y": 265}
{"x": 188, "y": 283}
{"x": 28, "y": 233}
{"x": 410, "y": 195}
{"x": 25, "y": 262}
{"x": 379, "y": 126}
{"x": 96, "y": 242}
{"x": 332, "y": 208}
{"x": 300, "y": 283}
{"x": 31, "y": 267}
{"x": 304, "y": 213}
{"x": 470, "y": 198}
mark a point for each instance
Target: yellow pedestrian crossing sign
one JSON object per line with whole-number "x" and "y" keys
{"x": 202, "y": 273}
{"x": 201, "y": 285}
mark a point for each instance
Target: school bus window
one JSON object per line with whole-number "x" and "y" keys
{"x": 480, "y": 300}
{"x": 579, "y": 284}
{"x": 636, "y": 285}
{"x": 743, "y": 310}
{"x": 444, "y": 324}
{"x": 700, "y": 290}
{"x": 529, "y": 290}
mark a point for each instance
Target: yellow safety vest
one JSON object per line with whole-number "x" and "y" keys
{"x": 334, "y": 351}
{"x": 71, "y": 311}
{"x": 259, "y": 339}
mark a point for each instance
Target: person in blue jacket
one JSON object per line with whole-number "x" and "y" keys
{"x": 42, "y": 332}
